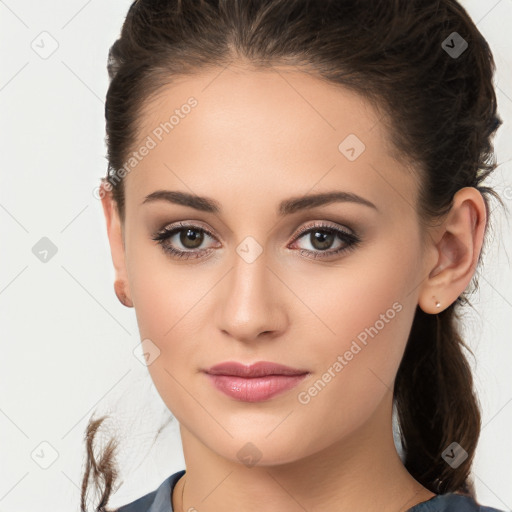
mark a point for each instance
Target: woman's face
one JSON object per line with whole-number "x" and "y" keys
{"x": 254, "y": 289}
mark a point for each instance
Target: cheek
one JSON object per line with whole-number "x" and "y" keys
{"x": 163, "y": 291}
{"x": 167, "y": 306}
{"x": 355, "y": 369}
{"x": 366, "y": 310}
{"x": 167, "y": 302}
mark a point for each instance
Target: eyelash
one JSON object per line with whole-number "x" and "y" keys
{"x": 351, "y": 240}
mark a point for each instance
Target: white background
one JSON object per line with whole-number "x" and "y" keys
{"x": 67, "y": 343}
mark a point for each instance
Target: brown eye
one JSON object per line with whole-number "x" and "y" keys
{"x": 189, "y": 237}
{"x": 321, "y": 240}
{"x": 184, "y": 241}
{"x": 322, "y": 237}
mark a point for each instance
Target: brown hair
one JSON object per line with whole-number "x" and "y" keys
{"x": 441, "y": 113}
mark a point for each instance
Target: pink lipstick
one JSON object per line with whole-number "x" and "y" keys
{"x": 254, "y": 383}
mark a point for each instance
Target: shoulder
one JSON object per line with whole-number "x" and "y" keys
{"x": 451, "y": 502}
{"x": 158, "y": 500}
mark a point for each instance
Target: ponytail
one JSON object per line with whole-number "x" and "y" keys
{"x": 437, "y": 405}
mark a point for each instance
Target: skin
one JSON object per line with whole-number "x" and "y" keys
{"x": 254, "y": 139}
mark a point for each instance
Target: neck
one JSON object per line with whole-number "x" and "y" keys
{"x": 362, "y": 471}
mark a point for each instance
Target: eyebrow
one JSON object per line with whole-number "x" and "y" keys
{"x": 286, "y": 207}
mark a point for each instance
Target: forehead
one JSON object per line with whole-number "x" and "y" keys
{"x": 256, "y": 130}
{"x": 277, "y": 102}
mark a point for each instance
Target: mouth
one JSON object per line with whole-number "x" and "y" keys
{"x": 254, "y": 383}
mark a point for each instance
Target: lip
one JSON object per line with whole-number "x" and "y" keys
{"x": 254, "y": 383}
{"x": 259, "y": 369}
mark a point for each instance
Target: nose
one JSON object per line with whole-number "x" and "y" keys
{"x": 251, "y": 304}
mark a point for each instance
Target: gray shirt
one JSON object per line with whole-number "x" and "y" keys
{"x": 159, "y": 500}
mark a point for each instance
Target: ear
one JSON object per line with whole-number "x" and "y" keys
{"x": 455, "y": 248}
{"x": 116, "y": 240}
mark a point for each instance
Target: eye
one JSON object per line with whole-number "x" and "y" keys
{"x": 322, "y": 236}
{"x": 190, "y": 237}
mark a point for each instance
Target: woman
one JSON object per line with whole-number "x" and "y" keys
{"x": 295, "y": 210}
